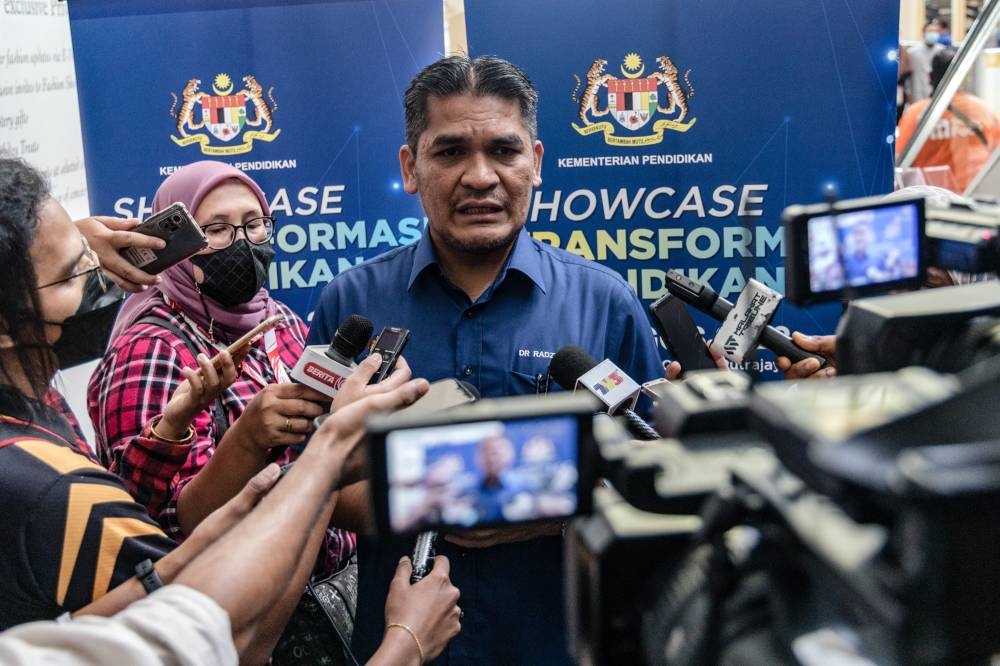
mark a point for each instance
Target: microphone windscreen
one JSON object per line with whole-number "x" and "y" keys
{"x": 473, "y": 391}
{"x": 352, "y": 336}
{"x": 569, "y": 364}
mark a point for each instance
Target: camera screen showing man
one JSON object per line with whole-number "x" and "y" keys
{"x": 876, "y": 246}
{"x": 472, "y": 474}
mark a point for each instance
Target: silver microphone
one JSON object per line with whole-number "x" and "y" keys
{"x": 423, "y": 556}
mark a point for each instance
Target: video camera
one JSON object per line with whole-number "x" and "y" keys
{"x": 847, "y": 520}
{"x": 853, "y": 248}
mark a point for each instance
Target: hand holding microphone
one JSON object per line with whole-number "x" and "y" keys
{"x": 706, "y": 299}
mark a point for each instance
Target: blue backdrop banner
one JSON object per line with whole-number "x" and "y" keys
{"x": 306, "y": 97}
{"x": 676, "y": 132}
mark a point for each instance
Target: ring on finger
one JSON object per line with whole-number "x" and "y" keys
{"x": 288, "y": 424}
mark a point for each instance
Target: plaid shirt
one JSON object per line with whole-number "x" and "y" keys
{"x": 132, "y": 385}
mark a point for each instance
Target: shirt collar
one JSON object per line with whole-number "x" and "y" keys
{"x": 525, "y": 259}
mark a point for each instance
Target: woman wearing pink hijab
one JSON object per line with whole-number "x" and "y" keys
{"x": 183, "y": 466}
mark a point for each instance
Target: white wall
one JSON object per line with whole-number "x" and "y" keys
{"x": 40, "y": 122}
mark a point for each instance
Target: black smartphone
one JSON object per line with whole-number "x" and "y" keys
{"x": 175, "y": 225}
{"x": 389, "y": 345}
{"x": 679, "y": 332}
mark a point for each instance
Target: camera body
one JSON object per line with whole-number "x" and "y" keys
{"x": 493, "y": 462}
{"x": 853, "y": 248}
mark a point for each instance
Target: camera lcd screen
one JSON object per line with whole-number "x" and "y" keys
{"x": 487, "y": 472}
{"x": 864, "y": 248}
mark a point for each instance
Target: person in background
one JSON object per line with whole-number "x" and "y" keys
{"x": 964, "y": 137}
{"x": 945, "y": 38}
{"x": 920, "y": 61}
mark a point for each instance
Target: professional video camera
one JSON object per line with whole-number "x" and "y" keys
{"x": 852, "y": 520}
{"x": 856, "y": 247}
{"x": 854, "y": 517}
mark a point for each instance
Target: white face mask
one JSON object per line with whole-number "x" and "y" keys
{"x": 932, "y": 37}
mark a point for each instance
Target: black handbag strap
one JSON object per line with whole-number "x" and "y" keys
{"x": 971, "y": 124}
{"x": 218, "y": 409}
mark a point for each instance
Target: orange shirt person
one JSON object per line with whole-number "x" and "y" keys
{"x": 963, "y": 138}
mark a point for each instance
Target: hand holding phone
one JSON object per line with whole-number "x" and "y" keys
{"x": 389, "y": 345}
{"x": 174, "y": 225}
{"x": 681, "y": 335}
{"x": 239, "y": 349}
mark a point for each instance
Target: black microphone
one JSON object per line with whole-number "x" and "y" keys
{"x": 572, "y": 366}
{"x": 706, "y": 299}
{"x": 325, "y": 368}
{"x": 350, "y": 339}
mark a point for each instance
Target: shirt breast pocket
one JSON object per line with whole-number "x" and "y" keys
{"x": 528, "y": 379}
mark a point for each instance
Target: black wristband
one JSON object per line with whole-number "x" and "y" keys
{"x": 146, "y": 573}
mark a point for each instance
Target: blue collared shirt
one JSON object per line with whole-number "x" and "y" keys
{"x": 543, "y": 299}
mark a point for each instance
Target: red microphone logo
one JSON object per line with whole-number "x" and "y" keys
{"x": 324, "y": 376}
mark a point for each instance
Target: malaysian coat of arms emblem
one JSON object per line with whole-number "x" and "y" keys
{"x": 224, "y": 115}
{"x": 633, "y": 101}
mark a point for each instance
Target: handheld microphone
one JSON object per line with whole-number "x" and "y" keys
{"x": 706, "y": 299}
{"x": 573, "y": 368}
{"x": 325, "y": 368}
{"x": 423, "y": 556}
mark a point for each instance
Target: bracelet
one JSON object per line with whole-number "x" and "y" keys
{"x": 146, "y": 573}
{"x": 420, "y": 648}
{"x": 188, "y": 436}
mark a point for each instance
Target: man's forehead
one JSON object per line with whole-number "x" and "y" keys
{"x": 465, "y": 115}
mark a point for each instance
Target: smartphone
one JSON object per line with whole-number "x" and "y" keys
{"x": 443, "y": 394}
{"x": 389, "y": 345}
{"x": 241, "y": 346}
{"x": 679, "y": 332}
{"x": 175, "y": 225}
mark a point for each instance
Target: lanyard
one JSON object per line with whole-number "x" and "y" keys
{"x": 274, "y": 357}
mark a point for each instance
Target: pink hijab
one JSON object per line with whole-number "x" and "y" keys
{"x": 189, "y": 185}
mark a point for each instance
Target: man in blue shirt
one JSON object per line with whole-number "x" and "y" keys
{"x": 487, "y": 304}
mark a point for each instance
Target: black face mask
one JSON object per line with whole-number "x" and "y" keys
{"x": 235, "y": 274}
{"x": 85, "y": 334}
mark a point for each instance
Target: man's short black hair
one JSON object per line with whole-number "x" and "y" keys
{"x": 940, "y": 64}
{"x": 458, "y": 74}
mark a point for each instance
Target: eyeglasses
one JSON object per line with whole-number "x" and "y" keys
{"x": 92, "y": 265}
{"x": 221, "y": 235}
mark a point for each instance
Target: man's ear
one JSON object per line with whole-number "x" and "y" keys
{"x": 408, "y": 169}
{"x": 539, "y": 150}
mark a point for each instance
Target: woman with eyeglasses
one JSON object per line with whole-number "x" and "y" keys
{"x": 71, "y": 531}
{"x": 183, "y": 466}
{"x": 75, "y": 542}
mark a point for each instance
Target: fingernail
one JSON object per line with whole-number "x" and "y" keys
{"x": 377, "y": 358}
{"x": 812, "y": 364}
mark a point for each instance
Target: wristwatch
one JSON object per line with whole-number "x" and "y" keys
{"x": 146, "y": 573}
